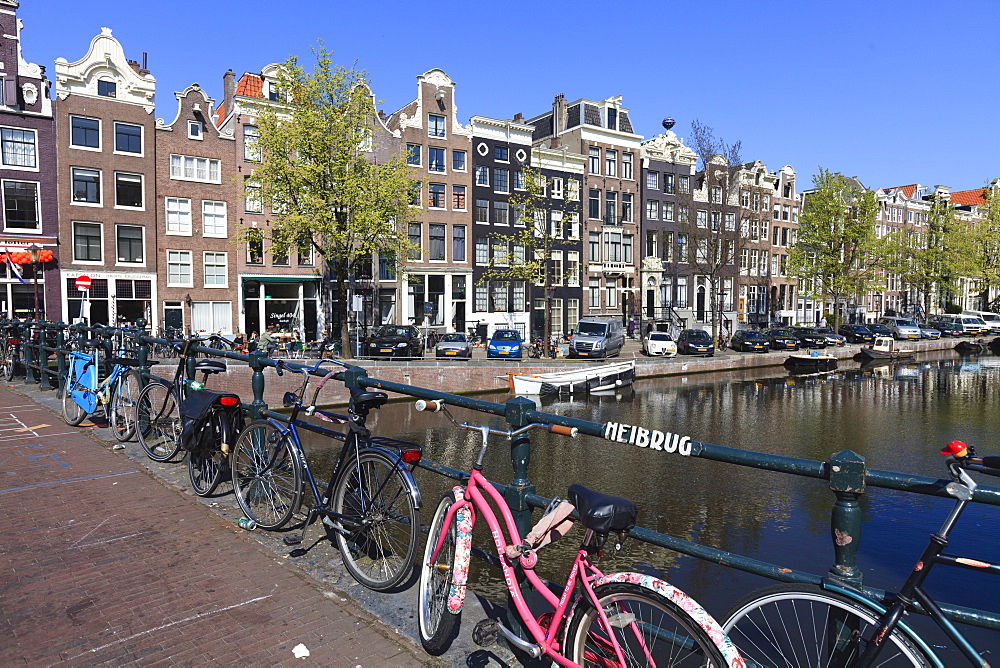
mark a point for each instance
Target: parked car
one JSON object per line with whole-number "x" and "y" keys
{"x": 809, "y": 338}
{"x": 396, "y": 341}
{"x": 928, "y": 332}
{"x": 597, "y": 337}
{"x": 782, "y": 338}
{"x": 879, "y": 330}
{"x": 901, "y": 328}
{"x": 832, "y": 338}
{"x": 856, "y": 333}
{"x": 948, "y": 329}
{"x": 971, "y": 325}
{"x": 454, "y": 344}
{"x": 695, "y": 342}
{"x": 749, "y": 341}
{"x": 659, "y": 343}
{"x": 505, "y": 343}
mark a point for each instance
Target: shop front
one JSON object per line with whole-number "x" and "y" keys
{"x": 286, "y": 303}
{"x": 114, "y": 298}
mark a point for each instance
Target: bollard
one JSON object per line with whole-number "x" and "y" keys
{"x": 60, "y": 358}
{"x": 43, "y": 356}
{"x": 257, "y": 385}
{"x": 847, "y": 480}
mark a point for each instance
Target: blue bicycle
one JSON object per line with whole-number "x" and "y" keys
{"x": 84, "y": 391}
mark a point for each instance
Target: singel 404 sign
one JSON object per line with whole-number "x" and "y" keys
{"x": 83, "y": 282}
{"x": 654, "y": 439}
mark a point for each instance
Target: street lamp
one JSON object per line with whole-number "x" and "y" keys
{"x": 34, "y": 251}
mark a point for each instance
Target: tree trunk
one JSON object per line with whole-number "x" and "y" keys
{"x": 340, "y": 268}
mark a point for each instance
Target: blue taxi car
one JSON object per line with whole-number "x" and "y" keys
{"x": 505, "y": 343}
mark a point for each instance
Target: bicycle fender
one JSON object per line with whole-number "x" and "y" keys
{"x": 879, "y": 609}
{"x": 688, "y": 605}
{"x": 463, "y": 554}
{"x": 411, "y": 484}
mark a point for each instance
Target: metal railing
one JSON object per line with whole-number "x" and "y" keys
{"x": 846, "y": 473}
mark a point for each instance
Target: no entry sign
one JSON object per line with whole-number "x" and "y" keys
{"x": 83, "y": 282}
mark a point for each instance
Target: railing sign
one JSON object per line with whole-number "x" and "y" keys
{"x": 653, "y": 439}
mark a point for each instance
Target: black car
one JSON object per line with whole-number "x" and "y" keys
{"x": 695, "y": 342}
{"x": 782, "y": 338}
{"x": 880, "y": 330}
{"x": 856, "y": 333}
{"x": 948, "y": 329}
{"x": 396, "y": 341}
{"x": 809, "y": 337}
{"x": 749, "y": 341}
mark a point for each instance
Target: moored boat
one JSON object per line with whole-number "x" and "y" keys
{"x": 586, "y": 379}
{"x": 812, "y": 362}
{"x": 885, "y": 348}
{"x": 966, "y": 347}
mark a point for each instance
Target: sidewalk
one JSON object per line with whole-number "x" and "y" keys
{"x": 106, "y": 565}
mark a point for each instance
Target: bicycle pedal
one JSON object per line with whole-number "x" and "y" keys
{"x": 485, "y": 633}
{"x": 292, "y": 540}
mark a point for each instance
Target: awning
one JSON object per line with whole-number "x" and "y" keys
{"x": 280, "y": 279}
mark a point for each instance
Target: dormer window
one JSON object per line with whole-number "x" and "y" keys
{"x": 194, "y": 130}
{"x": 107, "y": 88}
{"x": 274, "y": 93}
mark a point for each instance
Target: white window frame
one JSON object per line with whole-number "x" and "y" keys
{"x": 100, "y": 187}
{"x": 142, "y": 186}
{"x": 20, "y": 168}
{"x": 216, "y": 325}
{"x": 251, "y": 149}
{"x": 215, "y": 263}
{"x": 142, "y": 140}
{"x": 88, "y": 222}
{"x": 196, "y": 130}
{"x": 178, "y": 260}
{"x": 120, "y": 262}
{"x": 205, "y": 204}
{"x": 180, "y": 164}
{"x": 100, "y": 134}
{"x": 178, "y": 228}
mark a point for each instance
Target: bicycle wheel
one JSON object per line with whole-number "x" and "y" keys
{"x": 650, "y": 629}
{"x": 206, "y": 464}
{"x": 123, "y": 403}
{"x": 266, "y": 475}
{"x": 73, "y": 413}
{"x": 157, "y": 422}
{"x": 802, "y": 625}
{"x": 437, "y": 623}
{"x": 379, "y": 549}
{"x": 7, "y": 364}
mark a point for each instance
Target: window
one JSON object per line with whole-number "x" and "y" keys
{"x": 518, "y": 254}
{"x": 730, "y": 221}
{"x": 414, "y": 234}
{"x": 20, "y": 205}
{"x": 216, "y": 273}
{"x": 84, "y": 132}
{"x": 129, "y": 242}
{"x": 702, "y": 218}
{"x": 650, "y": 243}
{"x": 87, "y": 242}
{"x": 501, "y": 213}
{"x": 304, "y": 250}
{"x": 594, "y": 247}
{"x": 413, "y": 154}
{"x": 573, "y": 268}
{"x": 557, "y": 188}
{"x": 252, "y": 201}
{"x": 279, "y": 253}
{"x": 518, "y": 304}
{"x": 501, "y": 180}
{"x": 274, "y": 93}
{"x": 555, "y": 224}
{"x": 458, "y": 161}
{"x": 458, "y": 243}
{"x": 435, "y": 195}
{"x": 652, "y": 209}
{"x": 435, "y": 125}
{"x": 386, "y": 268}
{"x": 190, "y": 168}
{"x": 573, "y": 188}
{"x": 255, "y": 247}
{"x": 610, "y": 207}
{"x": 594, "y": 208}
{"x": 610, "y": 162}
{"x": 500, "y": 253}
{"x": 482, "y": 176}
{"x": 595, "y": 160}
{"x": 716, "y": 195}
{"x": 715, "y": 221}
{"x": 573, "y": 226}
{"x": 653, "y": 180}
{"x": 194, "y": 130}
{"x": 482, "y": 212}
{"x": 668, "y": 211}
{"x": 435, "y": 237}
{"x": 501, "y": 153}
{"x": 86, "y": 185}
{"x": 557, "y": 268}
{"x": 178, "y": 215}
{"x": 482, "y": 297}
{"x": 668, "y": 184}
{"x": 594, "y": 290}
{"x": 685, "y": 184}
{"x": 626, "y": 165}
{"x": 435, "y": 159}
{"x": 458, "y": 198}
{"x": 518, "y": 180}
{"x": 179, "y": 269}
{"x": 626, "y": 207}
{"x": 18, "y": 147}
{"x": 107, "y": 88}
{"x": 128, "y": 189}
{"x": 213, "y": 219}
{"x": 682, "y": 248}
{"x": 128, "y": 138}
{"x": 682, "y": 213}
{"x": 482, "y": 251}
{"x": 212, "y": 316}
{"x": 251, "y": 143}
{"x": 613, "y": 247}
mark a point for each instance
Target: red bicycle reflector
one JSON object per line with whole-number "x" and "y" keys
{"x": 229, "y": 401}
{"x": 410, "y": 456}
{"x": 11, "y": 340}
{"x": 955, "y": 448}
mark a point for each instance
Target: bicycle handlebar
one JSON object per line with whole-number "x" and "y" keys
{"x": 965, "y": 457}
{"x": 436, "y": 405}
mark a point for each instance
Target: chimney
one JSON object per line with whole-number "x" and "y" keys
{"x": 519, "y": 117}
{"x": 559, "y": 114}
{"x": 228, "y": 91}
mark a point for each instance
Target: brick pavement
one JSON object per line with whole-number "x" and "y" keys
{"x": 103, "y": 564}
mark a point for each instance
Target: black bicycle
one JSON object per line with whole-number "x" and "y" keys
{"x": 371, "y": 502}
{"x": 835, "y": 624}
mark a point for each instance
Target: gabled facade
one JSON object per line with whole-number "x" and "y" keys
{"x": 757, "y": 273}
{"x": 28, "y": 178}
{"x": 784, "y": 233}
{"x": 106, "y": 174}
{"x": 196, "y": 268}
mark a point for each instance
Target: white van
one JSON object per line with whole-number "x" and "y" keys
{"x": 971, "y": 325}
{"x": 597, "y": 338}
{"x": 992, "y": 320}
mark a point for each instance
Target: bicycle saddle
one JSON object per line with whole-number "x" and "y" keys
{"x": 210, "y": 366}
{"x": 370, "y": 399}
{"x": 602, "y": 513}
{"x": 92, "y": 343}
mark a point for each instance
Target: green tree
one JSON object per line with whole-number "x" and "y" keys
{"x": 836, "y": 244}
{"x": 319, "y": 173}
{"x": 982, "y": 247}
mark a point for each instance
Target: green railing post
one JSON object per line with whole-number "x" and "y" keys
{"x": 60, "y": 358}
{"x": 43, "y": 355}
{"x": 141, "y": 350}
{"x": 107, "y": 337}
{"x": 516, "y": 493}
{"x": 29, "y": 354}
{"x": 847, "y": 480}
{"x": 257, "y": 385}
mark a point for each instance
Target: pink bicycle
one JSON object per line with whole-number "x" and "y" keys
{"x": 622, "y": 619}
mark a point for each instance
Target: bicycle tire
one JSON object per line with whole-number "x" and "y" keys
{"x": 266, "y": 476}
{"x": 123, "y": 403}
{"x": 72, "y": 412}
{"x": 206, "y": 464}
{"x": 379, "y": 553}
{"x": 7, "y": 364}
{"x": 654, "y": 630}
{"x": 793, "y": 625}
{"x": 437, "y": 624}
{"x": 157, "y": 422}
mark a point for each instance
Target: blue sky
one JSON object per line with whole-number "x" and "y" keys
{"x": 892, "y": 92}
